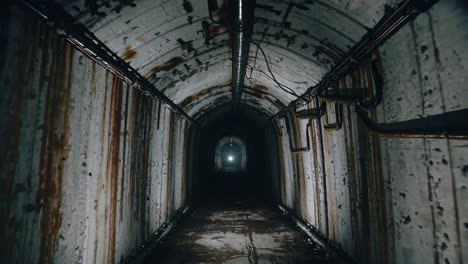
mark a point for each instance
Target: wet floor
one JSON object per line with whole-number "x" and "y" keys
{"x": 237, "y": 232}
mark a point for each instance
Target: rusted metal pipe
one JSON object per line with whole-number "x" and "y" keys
{"x": 422, "y": 128}
{"x": 303, "y": 149}
{"x": 300, "y": 149}
{"x": 85, "y": 41}
{"x": 360, "y": 100}
{"x": 324, "y": 174}
{"x": 436, "y": 126}
{"x": 338, "y": 119}
{"x": 378, "y": 86}
{"x": 313, "y": 113}
{"x": 241, "y": 28}
{"x": 382, "y": 31}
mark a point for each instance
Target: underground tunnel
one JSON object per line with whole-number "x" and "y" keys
{"x": 234, "y": 131}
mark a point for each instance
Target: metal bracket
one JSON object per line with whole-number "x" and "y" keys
{"x": 313, "y": 113}
{"x": 303, "y": 149}
{"x": 378, "y": 88}
{"x": 359, "y": 100}
{"x": 385, "y": 28}
{"x": 338, "y": 119}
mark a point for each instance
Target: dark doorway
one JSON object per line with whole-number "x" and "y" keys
{"x": 234, "y": 217}
{"x": 230, "y": 155}
{"x": 253, "y": 180}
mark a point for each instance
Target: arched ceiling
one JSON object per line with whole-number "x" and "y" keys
{"x": 164, "y": 41}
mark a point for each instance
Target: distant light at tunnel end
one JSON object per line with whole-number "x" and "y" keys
{"x": 230, "y": 158}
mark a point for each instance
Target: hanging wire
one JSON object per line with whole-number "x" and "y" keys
{"x": 256, "y": 52}
{"x": 280, "y": 85}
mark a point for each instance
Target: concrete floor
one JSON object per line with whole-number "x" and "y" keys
{"x": 237, "y": 232}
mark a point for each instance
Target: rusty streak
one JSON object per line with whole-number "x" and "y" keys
{"x": 128, "y": 54}
{"x": 166, "y": 66}
{"x": 54, "y": 149}
{"x": 113, "y": 160}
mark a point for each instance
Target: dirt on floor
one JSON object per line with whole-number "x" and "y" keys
{"x": 237, "y": 232}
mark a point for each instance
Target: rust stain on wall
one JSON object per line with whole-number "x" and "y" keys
{"x": 258, "y": 91}
{"x": 217, "y": 29}
{"x": 133, "y": 205}
{"x": 166, "y": 66}
{"x": 113, "y": 166}
{"x": 170, "y": 165}
{"x": 82, "y": 184}
{"x": 141, "y": 154}
{"x": 128, "y": 54}
{"x": 54, "y": 149}
{"x": 335, "y": 56}
{"x": 193, "y": 98}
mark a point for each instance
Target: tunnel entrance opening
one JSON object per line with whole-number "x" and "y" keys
{"x": 110, "y": 116}
{"x": 233, "y": 156}
{"x": 230, "y": 155}
{"x": 232, "y": 217}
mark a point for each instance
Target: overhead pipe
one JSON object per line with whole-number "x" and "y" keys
{"x": 84, "y": 40}
{"x": 356, "y": 101}
{"x": 299, "y": 150}
{"x": 359, "y": 100}
{"x": 449, "y": 130}
{"x": 388, "y": 26}
{"x": 314, "y": 113}
{"x": 338, "y": 119}
{"x": 242, "y": 20}
{"x": 324, "y": 192}
{"x": 448, "y": 125}
{"x": 428, "y": 127}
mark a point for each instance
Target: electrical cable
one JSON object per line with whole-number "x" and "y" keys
{"x": 280, "y": 85}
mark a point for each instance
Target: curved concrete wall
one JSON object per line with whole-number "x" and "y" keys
{"x": 90, "y": 168}
{"x": 392, "y": 200}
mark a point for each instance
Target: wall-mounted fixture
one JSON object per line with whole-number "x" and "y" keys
{"x": 307, "y": 147}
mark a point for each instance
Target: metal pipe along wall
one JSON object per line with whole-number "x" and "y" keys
{"x": 241, "y": 27}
